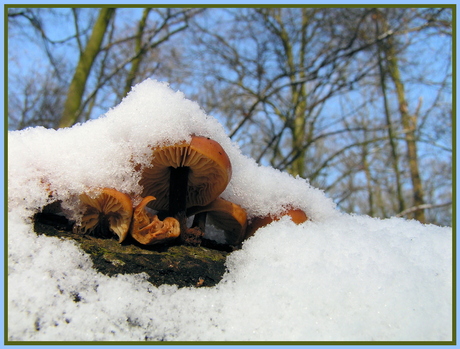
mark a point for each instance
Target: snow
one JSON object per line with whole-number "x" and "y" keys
{"x": 338, "y": 277}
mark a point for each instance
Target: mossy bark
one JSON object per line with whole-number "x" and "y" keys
{"x": 184, "y": 266}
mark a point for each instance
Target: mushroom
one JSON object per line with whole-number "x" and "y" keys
{"x": 298, "y": 216}
{"x": 225, "y": 215}
{"x": 148, "y": 229}
{"x": 106, "y": 213}
{"x": 186, "y": 174}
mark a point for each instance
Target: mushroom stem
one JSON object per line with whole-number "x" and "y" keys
{"x": 178, "y": 195}
{"x": 102, "y": 230}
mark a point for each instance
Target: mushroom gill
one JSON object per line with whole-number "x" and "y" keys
{"x": 206, "y": 166}
{"x": 186, "y": 174}
{"x": 106, "y": 213}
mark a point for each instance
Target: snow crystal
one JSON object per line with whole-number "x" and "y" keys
{"x": 336, "y": 277}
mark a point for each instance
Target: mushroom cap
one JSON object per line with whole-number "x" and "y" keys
{"x": 107, "y": 204}
{"x": 209, "y": 172}
{"x": 148, "y": 229}
{"x": 225, "y": 215}
{"x": 297, "y": 216}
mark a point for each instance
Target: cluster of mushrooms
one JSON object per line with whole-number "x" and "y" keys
{"x": 182, "y": 180}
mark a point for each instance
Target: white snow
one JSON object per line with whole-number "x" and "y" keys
{"x": 338, "y": 277}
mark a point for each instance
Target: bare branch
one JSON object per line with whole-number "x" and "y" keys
{"x": 422, "y": 207}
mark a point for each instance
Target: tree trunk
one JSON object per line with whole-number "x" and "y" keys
{"x": 409, "y": 123}
{"x": 77, "y": 86}
{"x": 389, "y": 123}
{"x": 298, "y": 97}
{"x": 139, "y": 50}
{"x": 369, "y": 187}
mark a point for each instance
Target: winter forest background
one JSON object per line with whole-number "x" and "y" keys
{"x": 357, "y": 100}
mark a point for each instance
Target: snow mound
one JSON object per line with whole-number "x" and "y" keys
{"x": 336, "y": 277}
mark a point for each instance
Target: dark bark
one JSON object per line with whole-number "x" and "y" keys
{"x": 185, "y": 266}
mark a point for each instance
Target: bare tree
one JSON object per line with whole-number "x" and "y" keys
{"x": 30, "y": 104}
{"x": 282, "y": 65}
{"x": 330, "y": 94}
{"x": 108, "y": 50}
{"x": 404, "y": 132}
{"x": 272, "y": 75}
{"x": 77, "y": 86}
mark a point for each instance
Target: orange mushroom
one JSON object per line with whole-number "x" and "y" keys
{"x": 297, "y": 216}
{"x": 186, "y": 174}
{"x": 106, "y": 213}
{"x": 225, "y": 215}
{"x": 148, "y": 229}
